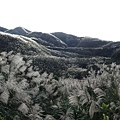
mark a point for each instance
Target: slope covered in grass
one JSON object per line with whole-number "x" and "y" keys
{"x": 25, "y": 94}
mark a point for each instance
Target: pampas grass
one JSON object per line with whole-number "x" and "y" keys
{"x": 38, "y": 96}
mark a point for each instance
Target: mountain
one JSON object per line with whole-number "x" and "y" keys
{"x": 88, "y": 42}
{"x": 18, "y": 31}
{"x": 116, "y": 50}
{"x": 2, "y": 29}
{"x": 49, "y": 39}
{"x": 60, "y": 44}
{"x": 24, "y": 45}
{"x": 59, "y": 53}
{"x": 58, "y": 39}
{"x": 85, "y": 42}
{"x": 70, "y": 40}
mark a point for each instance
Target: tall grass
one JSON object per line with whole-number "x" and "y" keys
{"x": 28, "y": 95}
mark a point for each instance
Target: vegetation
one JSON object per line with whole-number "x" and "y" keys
{"x": 25, "y": 94}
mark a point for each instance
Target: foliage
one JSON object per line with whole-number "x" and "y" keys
{"x": 26, "y": 94}
{"x": 2, "y": 118}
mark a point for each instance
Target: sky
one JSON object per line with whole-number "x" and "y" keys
{"x": 92, "y": 18}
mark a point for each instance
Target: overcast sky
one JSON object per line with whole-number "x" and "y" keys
{"x": 93, "y": 18}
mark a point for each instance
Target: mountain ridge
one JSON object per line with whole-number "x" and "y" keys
{"x": 66, "y": 44}
{"x": 2, "y": 29}
{"x": 18, "y": 31}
